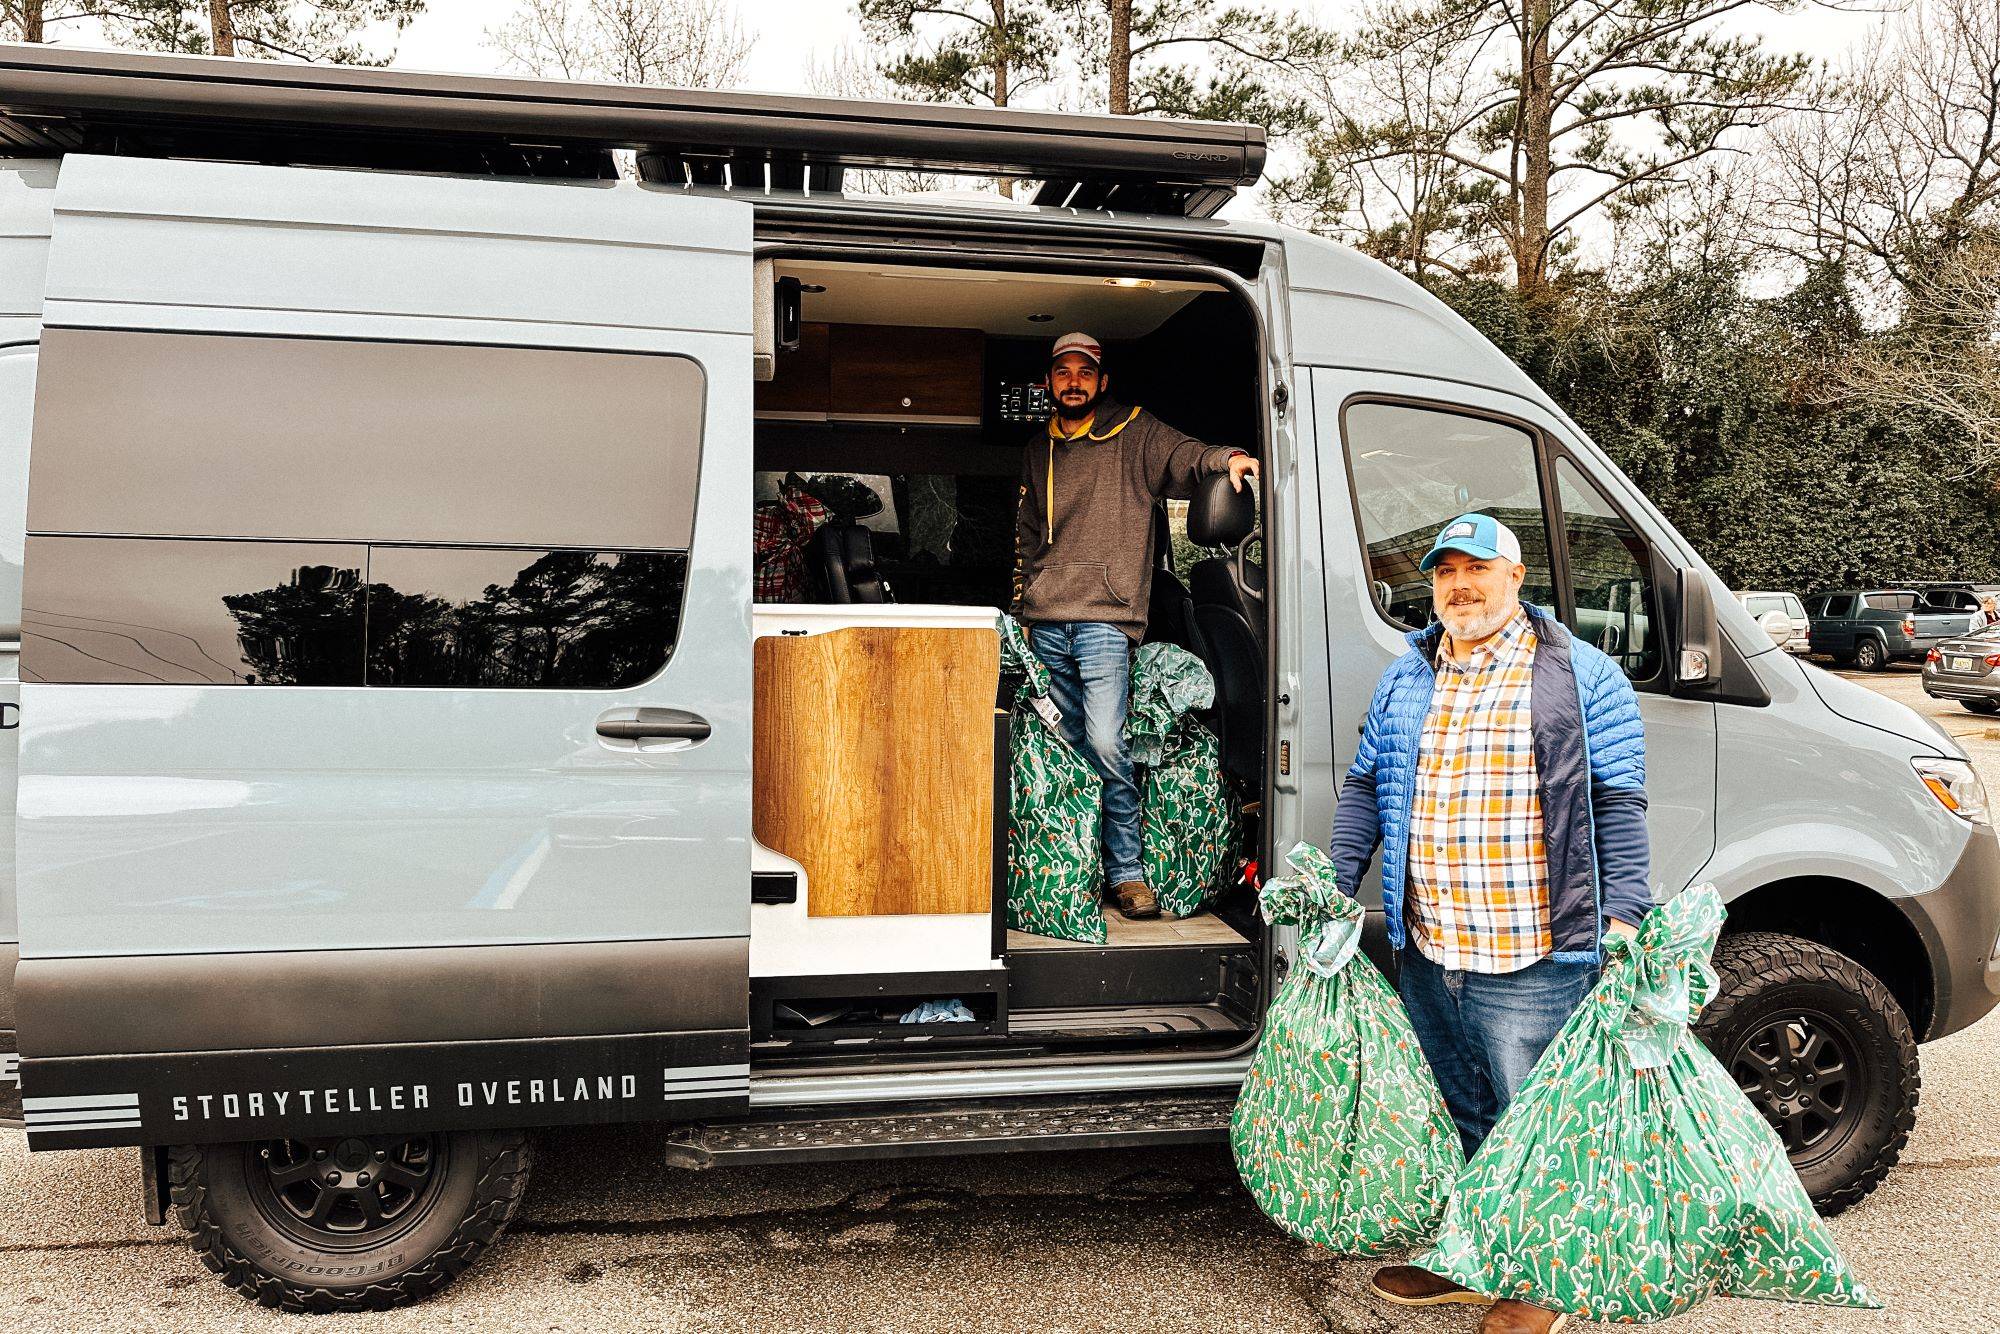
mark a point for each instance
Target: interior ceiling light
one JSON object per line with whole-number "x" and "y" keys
{"x": 812, "y": 287}
{"x": 1040, "y": 319}
{"x": 1128, "y": 282}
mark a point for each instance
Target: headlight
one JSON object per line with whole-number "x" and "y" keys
{"x": 1955, "y": 785}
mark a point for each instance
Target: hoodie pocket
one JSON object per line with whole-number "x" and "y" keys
{"x": 1074, "y": 584}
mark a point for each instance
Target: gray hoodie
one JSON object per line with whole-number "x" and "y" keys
{"x": 1083, "y": 540}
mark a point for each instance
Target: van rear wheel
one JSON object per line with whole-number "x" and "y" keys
{"x": 1823, "y": 1050}
{"x": 348, "y": 1223}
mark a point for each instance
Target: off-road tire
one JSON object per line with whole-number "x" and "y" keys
{"x": 1868, "y": 655}
{"x": 1765, "y": 974}
{"x": 486, "y": 1176}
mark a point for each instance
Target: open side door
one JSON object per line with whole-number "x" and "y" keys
{"x": 385, "y": 759}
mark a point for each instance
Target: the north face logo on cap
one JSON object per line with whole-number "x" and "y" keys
{"x": 1459, "y": 530}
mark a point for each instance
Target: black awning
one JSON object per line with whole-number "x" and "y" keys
{"x": 64, "y": 99}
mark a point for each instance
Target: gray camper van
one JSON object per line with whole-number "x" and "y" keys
{"x": 404, "y": 759}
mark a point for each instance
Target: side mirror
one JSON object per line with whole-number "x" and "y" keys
{"x": 1777, "y": 625}
{"x": 1699, "y": 640}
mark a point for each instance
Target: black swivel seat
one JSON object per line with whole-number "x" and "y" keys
{"x": 1228, "y": 597}
{"x": 843, "y": 564}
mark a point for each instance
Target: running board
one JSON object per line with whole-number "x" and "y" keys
{"x": 935, "y": 1130}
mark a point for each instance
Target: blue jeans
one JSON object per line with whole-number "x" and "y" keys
{"x": 1090, "y": 680}
{"x": 1483, "y": 1032}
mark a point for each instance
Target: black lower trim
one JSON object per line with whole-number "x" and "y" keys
{"x": 219, "y": 1096}
{"x": 118, "y": 1005}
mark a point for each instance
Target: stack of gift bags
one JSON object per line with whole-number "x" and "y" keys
{"x": 1055, "y": 875}
{"x": 1629, "y": 1179}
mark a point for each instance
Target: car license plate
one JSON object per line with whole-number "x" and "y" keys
{"x": 1958, "y": 664}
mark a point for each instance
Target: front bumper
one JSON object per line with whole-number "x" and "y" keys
{"x": 1959, "y": 922}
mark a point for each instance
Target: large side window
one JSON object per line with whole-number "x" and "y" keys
{"x": 227, "y": 509}
{"x": 1610, "y": 576}
{"x": 1415, "y": 469}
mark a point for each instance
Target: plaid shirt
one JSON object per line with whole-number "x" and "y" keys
{"x": 1479, "y": 895}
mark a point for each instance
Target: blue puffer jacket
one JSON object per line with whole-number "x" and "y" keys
{"x": 1590, "y": 756}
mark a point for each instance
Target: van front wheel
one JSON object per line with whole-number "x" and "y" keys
{"x": 350, "y": 1223}
{"x": 1824, "y": 1052}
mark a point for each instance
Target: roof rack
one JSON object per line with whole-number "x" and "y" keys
{"x": 64, "y": 99}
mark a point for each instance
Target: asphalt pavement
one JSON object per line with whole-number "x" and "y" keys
{"x": 612, "y": 1239}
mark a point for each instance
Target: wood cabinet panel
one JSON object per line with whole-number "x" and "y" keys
{"x": 877, "y": 366}
{"x": 873, "y": 766}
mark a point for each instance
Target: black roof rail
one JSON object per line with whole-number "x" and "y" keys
{"x": 66, "y": 99}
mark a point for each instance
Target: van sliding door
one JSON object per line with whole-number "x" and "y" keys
{"x": 386, "y": 664}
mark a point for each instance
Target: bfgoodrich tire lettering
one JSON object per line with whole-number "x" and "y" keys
{"x": 244, "y": 1230}
{"x": 1789, "y": 1008}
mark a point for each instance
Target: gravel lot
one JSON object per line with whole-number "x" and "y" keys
{"x": 610, "y": 1239}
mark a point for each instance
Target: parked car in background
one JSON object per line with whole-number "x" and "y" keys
{"x": 1871, "y": 628}
{"x": 1761, "y": 603}
{"x": 1962, "y": 598}
{"x": 1966, "y": 669}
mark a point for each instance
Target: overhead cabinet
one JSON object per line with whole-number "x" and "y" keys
{"x": 878, "y": 373}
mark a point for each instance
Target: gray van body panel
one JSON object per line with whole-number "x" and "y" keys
{"x": 448, "y": 854}
{"x": 27, "y": 192}
{"x": 196, "y": 819}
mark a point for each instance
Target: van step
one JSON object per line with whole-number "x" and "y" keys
{"x": 992, "y": 1126}
{"x": 1132, "y": 1021}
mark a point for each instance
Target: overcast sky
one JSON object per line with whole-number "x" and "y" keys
{"x": 792, "y": 33}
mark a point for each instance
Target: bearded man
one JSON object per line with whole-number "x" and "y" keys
{"x": 1502, "y": 769}
{"x": 1083, "y": 571}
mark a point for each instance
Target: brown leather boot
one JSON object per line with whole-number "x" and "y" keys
{"x": 1407, "y": 1285}
{"x": 1135, "y": 900}
{"x": 1512, "y": 1317}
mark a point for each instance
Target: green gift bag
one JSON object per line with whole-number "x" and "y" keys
{"x": 1186, "y": 823}
{"x": 1055, "y": 874}
{"x": 1630, "y": 1178}
{"x": 1340, "y": 1132}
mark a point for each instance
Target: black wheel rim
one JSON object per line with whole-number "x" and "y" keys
{"x": 347, "y": 1193}
{"x": 1807, "y": 1073}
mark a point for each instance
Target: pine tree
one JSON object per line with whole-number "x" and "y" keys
{"x": 1525, "y": 117}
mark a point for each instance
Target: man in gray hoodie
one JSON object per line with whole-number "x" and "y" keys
{"x": 1083, "y": 570}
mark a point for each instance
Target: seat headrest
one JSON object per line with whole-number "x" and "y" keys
{"x": 1219, "y": 515}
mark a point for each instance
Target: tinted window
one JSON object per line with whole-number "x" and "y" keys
{"x": 1414, "y": 471}
{"x": 134, "y": 611}
{"x": 207, "y": 435}
{"x": 455, "y": 617}
{"x": 1840, "y": 604}
{"x": 1611, "y": 576}
{"x": 1890, "y": 601}
{"x": 368, "y": 449}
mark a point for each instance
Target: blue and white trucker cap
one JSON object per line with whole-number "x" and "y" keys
{"x": 1479, "y": 535}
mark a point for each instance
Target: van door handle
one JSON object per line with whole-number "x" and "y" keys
{"x": 652, "y": 725}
